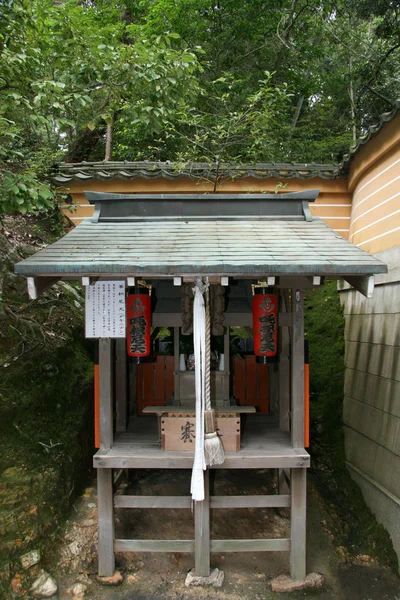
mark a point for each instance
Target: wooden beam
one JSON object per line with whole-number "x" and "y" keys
{"x": 122, "y": 501}
{"x": 298, "y": 481}
{"x": 202, "y": 531}
{"x": 106, "y": 393}
{"x": 254, "y": 545}
{"x": 363, "y": 284}
{"x": 297, "y": 369}
{"x": 154, "y": 545}
{"x": 106, "y": 522}
{"x": 38, "y": 285}
{"x": 271, "y": 501}
{"x": 121, "y": 384}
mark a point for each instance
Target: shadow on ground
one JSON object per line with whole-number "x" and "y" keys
{"x": 247, "y": 575}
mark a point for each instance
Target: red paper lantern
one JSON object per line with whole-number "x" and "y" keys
{"x": 138, "y": 323}
{"x": 265, "y": 324}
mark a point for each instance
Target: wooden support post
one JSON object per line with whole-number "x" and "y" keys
{"x": 227, "y": 361}
{"x": 177, "y": 394}
{"x": 106, "y": 522}
{"x": 283, "y": 481}
{"x": 104, "y": 476}
{"x": 298, "y": 485}
{"x": 121, "y": 384}
{"x": 106, "y": 396}
{"x": 273, "y": 389}
{"x": 202, "y": 531}
{"x": 38, "y": 285}
{"x": 284, "y": 371}
{"x": 363, "y": 284}
{"x": 297, "y": 368}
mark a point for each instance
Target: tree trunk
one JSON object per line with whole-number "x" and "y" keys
{"x": 297, "y": 111}
{"x": 352, "y": 105}
{"x": 109, "y": 136}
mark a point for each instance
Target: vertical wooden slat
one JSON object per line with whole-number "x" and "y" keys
{"x": 240, "y": 393}
{"x": 96, "y": 406}
{"x": 202, "y": 531}
{"x": 159, "y": 381}
{"x": 139, "y": 387}
{"x": 273, "y": 388}
{"x": 262, "y": 387}
{"x": 148, "y": 384}
{"x": 121, "y": 384}
{"x": 284, "y": 369}
{"x": 226, "y": 383}
{"x": 297, "y": 367}
{"x": 106, "y": 393}
{"x": 106, "y": 522}
{"x": 306, "y": 405}
{"x": 283, "y": 485}
{"x": 298, "y": 487}
{"x": 169, "y": 375}
{"x": 177, "y": 394}
{"x": 251, "y": 381}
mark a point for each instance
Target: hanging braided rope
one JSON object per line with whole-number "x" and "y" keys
{"x": 213, "y": 449}
{"x": 208, "y": 356}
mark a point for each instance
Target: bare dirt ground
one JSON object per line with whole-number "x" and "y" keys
{"x": 247, "y": 575}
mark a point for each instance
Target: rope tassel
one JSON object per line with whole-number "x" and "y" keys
{"x": 213, "y": 450}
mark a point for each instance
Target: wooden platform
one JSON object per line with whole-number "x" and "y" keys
{"x": 262, "y": 446}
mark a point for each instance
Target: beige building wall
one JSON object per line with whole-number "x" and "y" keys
{"x": 371, "y": 411}
{"x": 333, "y": 204}
{"x": 375, "y": 183}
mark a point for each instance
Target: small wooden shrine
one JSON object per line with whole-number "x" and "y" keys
{"x": 232, "y": 242}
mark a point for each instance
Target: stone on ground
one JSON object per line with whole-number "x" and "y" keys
{"x": 77, "y": 589}
{"x": 30, "y": 558}
{"x": 45, "y": 586}
{"x": 284, "y": 583}
{"x": 215, "y": 579}
{"x": 116, "y": 579}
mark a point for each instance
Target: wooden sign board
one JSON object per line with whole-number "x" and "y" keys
{"x": 179, "y": 433}
{"x": 105, "y": 313}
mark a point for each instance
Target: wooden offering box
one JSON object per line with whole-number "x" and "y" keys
{"x": 178, "y": 431}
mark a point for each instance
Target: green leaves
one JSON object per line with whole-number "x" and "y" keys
{"x": 23, "y": 193}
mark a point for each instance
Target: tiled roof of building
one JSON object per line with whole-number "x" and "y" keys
{"x": 105, "y": 171}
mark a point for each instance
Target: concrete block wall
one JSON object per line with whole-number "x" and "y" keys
{"x": 372, "y": 392}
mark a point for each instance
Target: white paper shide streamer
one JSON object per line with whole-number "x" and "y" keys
{"x": 199, "y": 341}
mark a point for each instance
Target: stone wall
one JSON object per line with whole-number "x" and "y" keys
{"x": 371, "y": 412}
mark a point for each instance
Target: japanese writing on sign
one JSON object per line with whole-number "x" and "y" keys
{"x": 105, "y": 310}
{"x": 187, "y": 432}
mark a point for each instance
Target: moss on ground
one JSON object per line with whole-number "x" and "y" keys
{"x": 352, "y": 522}
{"x": 45, "y": 398}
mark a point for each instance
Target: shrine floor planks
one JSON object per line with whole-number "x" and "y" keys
{"x": 263, "y": 446}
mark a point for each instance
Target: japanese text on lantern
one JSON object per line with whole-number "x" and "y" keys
{"x": 138, "y": 324}
{"x": 265, "y": 316}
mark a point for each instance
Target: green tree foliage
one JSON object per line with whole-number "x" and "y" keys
{"x": 228, "y": 80}
{"x": 65, "y": 70}
{"x": 323, "y": 52}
